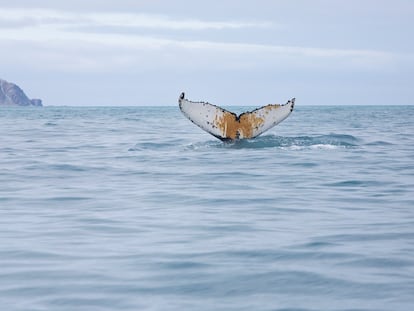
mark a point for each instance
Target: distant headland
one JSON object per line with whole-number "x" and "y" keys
{"x": 12, "y": 95}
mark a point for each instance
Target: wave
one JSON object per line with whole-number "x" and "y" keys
{"x": 155, "y": 145}
{"x": 331, "y": 141}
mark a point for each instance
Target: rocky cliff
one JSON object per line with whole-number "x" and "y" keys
{"x": 12, "y": 95}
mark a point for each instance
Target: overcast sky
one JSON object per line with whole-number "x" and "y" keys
{"x": 227, "y": 52}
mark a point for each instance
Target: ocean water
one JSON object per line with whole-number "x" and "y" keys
{"x": 114, "y": 208}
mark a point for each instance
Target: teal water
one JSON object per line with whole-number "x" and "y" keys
{"x": 138, "y": 209}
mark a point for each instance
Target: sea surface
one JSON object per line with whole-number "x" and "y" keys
{"x": 136, "y": 208}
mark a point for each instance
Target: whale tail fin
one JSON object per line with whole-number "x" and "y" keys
{"x": 226, "y": 125}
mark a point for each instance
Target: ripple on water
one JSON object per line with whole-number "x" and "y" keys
{"x": 331, "y": 141}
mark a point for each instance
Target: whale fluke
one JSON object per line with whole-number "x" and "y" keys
{"x": 226, "y": 125}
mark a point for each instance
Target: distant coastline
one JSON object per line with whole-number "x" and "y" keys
{"x": 13, "y": 95}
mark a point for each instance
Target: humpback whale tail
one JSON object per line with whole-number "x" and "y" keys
{"x": 226, "y": 125}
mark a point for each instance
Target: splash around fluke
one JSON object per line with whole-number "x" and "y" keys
{"x": 227, "y": 126}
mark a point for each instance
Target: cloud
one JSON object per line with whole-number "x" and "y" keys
{"x": 232, "y": 56}
{"x": 126, "y": 20}
{"x": 60, "y": 40}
